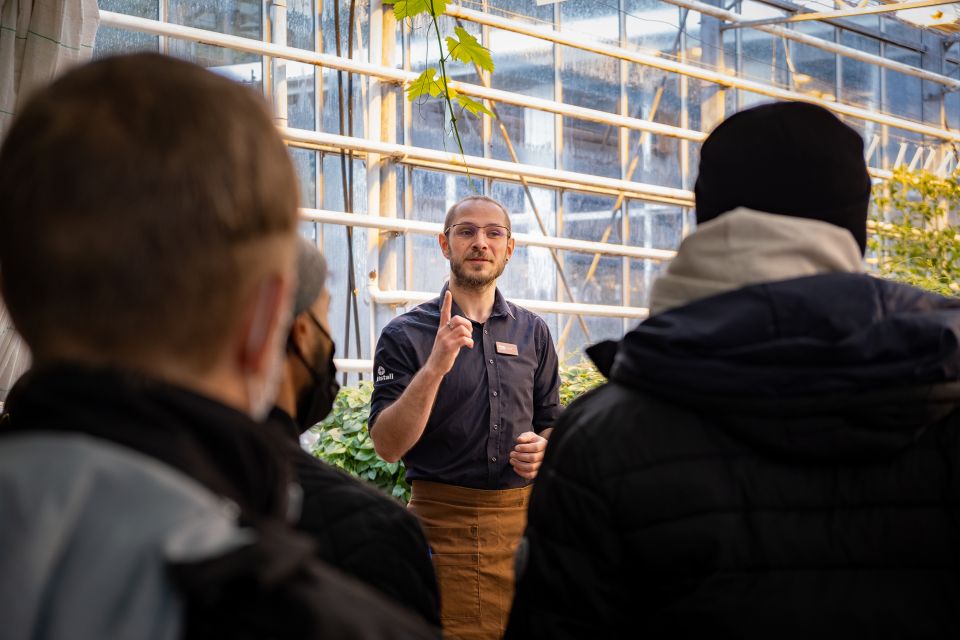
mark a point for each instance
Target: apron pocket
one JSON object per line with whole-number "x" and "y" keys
{"x": 456, "y": 558}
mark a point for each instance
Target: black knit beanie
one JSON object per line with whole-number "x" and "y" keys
{"x": 790, "y": 158}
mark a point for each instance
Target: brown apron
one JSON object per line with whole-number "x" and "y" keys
{"x": 473, "y": 535}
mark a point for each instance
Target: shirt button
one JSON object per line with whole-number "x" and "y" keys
{"x": 491, "y": 360}
{"x": 484, "y": 332}
{"x": 493, "y": 459}
{"x": 495, "y": 427}
{"x": 494, "y": 394}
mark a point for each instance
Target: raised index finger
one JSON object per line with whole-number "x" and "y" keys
{"x": 445, "y": 308}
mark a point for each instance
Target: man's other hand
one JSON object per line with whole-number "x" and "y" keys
{"x": 527, "y": 455}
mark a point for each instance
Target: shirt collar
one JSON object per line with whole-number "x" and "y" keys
{"x": 500, "y": 305}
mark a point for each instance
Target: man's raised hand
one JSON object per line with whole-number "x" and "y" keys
{"x": 453, "y": 334}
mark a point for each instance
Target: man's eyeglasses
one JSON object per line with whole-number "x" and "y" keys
{"x": 467, "y": 231}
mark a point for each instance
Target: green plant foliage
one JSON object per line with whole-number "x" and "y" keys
{"x": 471, "y": 105}
{"x": 577, "y": 379}
{"x": 465, "y": 48}
{"x": 412, "y": 8}
{"x": 462, "y": 47}
{"x": 344, "y": 440}
{"x": 916, "y": 241}
{"x": 425, "y": 85}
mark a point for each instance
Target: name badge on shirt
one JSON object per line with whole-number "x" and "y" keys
{"x": 507, "y": 349}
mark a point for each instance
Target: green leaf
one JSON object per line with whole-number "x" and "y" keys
{"x": 473, "y": 106}
{"x": 437, "y": 7}
{"x": 465, "y": 48}
{"x": 425, "y": 84}
{"x": 411, "y": 8}
{"x": 354, "y": 401}
{"x": 352, "y": 426}
{"x": 450, "y": 91}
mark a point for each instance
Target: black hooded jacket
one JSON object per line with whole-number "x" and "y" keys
{"x": 361, "y": 531}
{"x": 777, "y": 461}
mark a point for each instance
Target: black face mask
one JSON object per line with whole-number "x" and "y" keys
{"x": 315, "y": 401}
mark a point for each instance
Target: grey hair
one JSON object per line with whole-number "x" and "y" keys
{"x": 311, "y": 275}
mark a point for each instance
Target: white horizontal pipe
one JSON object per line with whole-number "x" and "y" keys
{"x": 401, "y": 297}
{"x": 401, "y": 225}
{"x": 572, "y": 179}
{"x": 819, "y": 43}
{"x": 124, "y": 21}
{"x": 389, "y": 74}
{"x": 119, "y": 20}
{"x": 353, "y": 365}
{"x": 693, "y": 71}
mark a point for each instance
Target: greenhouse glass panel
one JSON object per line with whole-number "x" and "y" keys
{"x": 952, "y": 99}
{"x": 859, "y": 81}
{"x": 651, "y": 25}
{"x": 329, "y": 102}
{"x": 531, "y": 273}
{"x": 234, "y": 17}
{"x": 531, "y": 12}
{"x": 111, "y": 41}
{"x": 301, "y": 27}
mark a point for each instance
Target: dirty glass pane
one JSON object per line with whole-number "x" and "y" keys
{"x": 111, "y": 41}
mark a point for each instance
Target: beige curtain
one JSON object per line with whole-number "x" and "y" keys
{"x": 38, "y": 40}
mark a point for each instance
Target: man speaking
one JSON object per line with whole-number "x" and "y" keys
{"x": 466, "y": 391}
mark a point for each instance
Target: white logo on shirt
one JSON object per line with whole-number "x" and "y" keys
{"x": 382, "y": 375}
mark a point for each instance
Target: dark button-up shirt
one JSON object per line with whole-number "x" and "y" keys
{"x": 490, "y": 396}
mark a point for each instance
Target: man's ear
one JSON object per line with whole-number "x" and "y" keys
{"x": 299, "y": 329}
{"x": 265, "y": 321}
{"x": 444, "y": 245}
{"x": 510, "y": 245}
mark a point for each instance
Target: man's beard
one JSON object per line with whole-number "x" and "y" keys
{"x": 468, "y": 280}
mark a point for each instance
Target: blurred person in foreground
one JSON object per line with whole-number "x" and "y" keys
{"x": 776, "y": 453}
{"x": 359, "y": 530}
{"x": 466, "y": 392}
{"x": 147, "y": 242}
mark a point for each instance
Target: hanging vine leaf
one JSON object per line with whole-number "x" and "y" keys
{"x": 445, "y": 88}
{"x": 411, "y": 8}
{"x": 425, "y": 84}
{"x": 429, "y": 84}
{"x": 465, "y": 48}
{"x": 473, "y": 106}
{"x": 462, "y": 47}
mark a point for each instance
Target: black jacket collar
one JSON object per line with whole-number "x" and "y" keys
{"x": 838, "y": 365}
